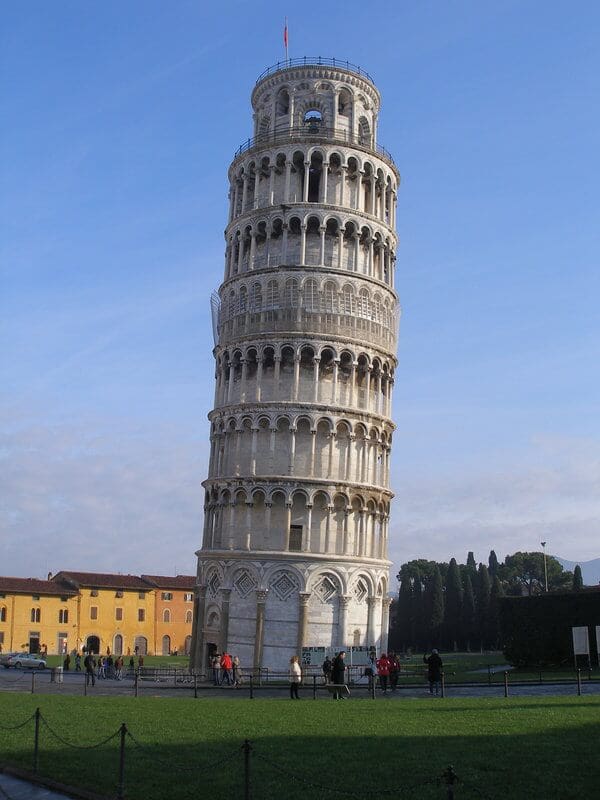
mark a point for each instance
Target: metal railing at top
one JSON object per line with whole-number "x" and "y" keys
{"x": 314, "y": 61}
{"x": 314, "y": 131}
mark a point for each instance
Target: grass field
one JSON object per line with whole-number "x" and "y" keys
{"x": 518, "y": 748}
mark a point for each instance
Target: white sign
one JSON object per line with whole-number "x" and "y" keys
{"x": 581, "y": 641}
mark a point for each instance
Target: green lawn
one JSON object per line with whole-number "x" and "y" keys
{"x": 530, "y": 748}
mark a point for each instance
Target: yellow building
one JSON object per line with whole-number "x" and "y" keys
{"x": 173, "y": 612}
{"x": 36, "y": 615}
{"x": 103, "y": 612}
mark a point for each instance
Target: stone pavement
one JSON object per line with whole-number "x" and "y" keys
{"x": 17, "y": 789}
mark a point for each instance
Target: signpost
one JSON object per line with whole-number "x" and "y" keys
{"x": 581, "y": 643}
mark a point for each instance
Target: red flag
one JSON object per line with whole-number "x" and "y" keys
{"x": 285, "y": 35}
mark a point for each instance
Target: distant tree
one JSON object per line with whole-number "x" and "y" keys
{"x": 483, "y": 603}
{"x": 493, "y": 565}
{"x": 469, "y": 619}
{"x": 453, "y": 605}
{"x": 418, "y": 615}
{"x": 524, "y": 573}
{"x": 471, "y": 564}
{"x": 493, "y": 620}
{"x": 577, "y": 579}
{"x": 434, "y": 607}
{"x": 403, "y": 627}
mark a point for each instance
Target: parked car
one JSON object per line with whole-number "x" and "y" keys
{"x": 25, "y": 661}
{"x": 5, "y": 657}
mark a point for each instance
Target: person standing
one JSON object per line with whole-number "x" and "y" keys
{"x": 215, "y": 664}
{"x": 383, "y": 670}
{"x": 338, "y": 673}
{"x": 434, "y": 670}
{"x": 238, "y": 678}
{"x": 327, "y": 669}
{"x": 295, "y": 677}
{"x": 89, "y": 665}
{"x": 394, "y": 671}
{"x": 226, "y": 665}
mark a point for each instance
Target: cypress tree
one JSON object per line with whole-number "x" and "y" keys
{"x": 434, "y": 607}
{"x": 404, "y": 610}
{"x": 454, "y": 599}
{"x": 483, "y": 603}
{"x": 469, "y": 619}
{"x": 418, "y": 637}
{"x": 577, "y": 579}
{"x": 493, "y": 626}
{"x": 471, "y": 561}
{"x": 493, "y": 564}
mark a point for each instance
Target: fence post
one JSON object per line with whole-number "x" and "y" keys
{"x": 505, "y": 683}
{"x": 32, "y": 681}
{"x": 489, "y": 675}
{"x": 314, "y": 687}
{"x": 247, "y": 749}
{"x": 443, "y": 683}
{"x": 121, "y": 786}
{"x": 135, "y": 683}
{"x": 195, "y": 684}
{"x": 450, "y": 778}
{"x": 372, "y": 686}
{"x": 578, "y": 682}
{"x": 36, "y": 741}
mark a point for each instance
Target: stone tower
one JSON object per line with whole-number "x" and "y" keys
{"x": 297, "y": 499}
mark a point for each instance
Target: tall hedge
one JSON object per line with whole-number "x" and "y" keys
{"x": 536, "y": 631}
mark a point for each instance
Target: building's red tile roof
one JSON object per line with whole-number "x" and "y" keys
{"x": 172, "y": 582}
{"x": 102, "y": 580}
{"x": 35, "y": 586}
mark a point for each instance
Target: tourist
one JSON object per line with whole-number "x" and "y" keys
{"x": 383, "y": 671}
{"x": 434, "y": 670}
{"x": 237, "y": 672}
{"x": 394, "y": 671}
{"x": 338, "y": 674}
{"x": 77, "y": 663}
{"x": 89, "y": 665}
{"x": 215, "y": 664}
{"x": 295, "y": 677}
{"x": 67, "y": 663}
{"x": 226, "y": 665}
{"x": 119, "y": 668}
{"x": 326, "y": 667}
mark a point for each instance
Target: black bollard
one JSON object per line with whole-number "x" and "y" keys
{"x": 505, "y": 683}
{"x": 195, "y": 685}
{"x": 247, "y": 749}
{"x": 443, "y": 683}
{"x": 121, "y": 786}
{"x": 36, "y": 741}
{"x": 578, "y": 683}
{"x": 251, "y": 689}
{"x": 314, "y": 687}
{"x": 372, "y": 686}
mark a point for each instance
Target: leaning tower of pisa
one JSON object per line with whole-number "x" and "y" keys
{"x": 297, "y": 499}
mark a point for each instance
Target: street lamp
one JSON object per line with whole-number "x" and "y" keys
{"x": 545, "y": 565}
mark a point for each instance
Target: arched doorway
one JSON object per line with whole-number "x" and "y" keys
{"x": 166, "y": 645}
{"x": 92, "y": 644}
{"x": 140, "y": 645}
{"x": 118, "y": 645}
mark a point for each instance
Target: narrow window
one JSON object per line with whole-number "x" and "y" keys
{"x": 118, "y": 614}
{"x": 295, "y": 537}
{"x": 94, "y": 612}
{"x": 141, "y": 614}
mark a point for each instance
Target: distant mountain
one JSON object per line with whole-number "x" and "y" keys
{"x": 590, "y": 570}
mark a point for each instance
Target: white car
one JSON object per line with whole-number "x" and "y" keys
{"x": 25, "y": 661}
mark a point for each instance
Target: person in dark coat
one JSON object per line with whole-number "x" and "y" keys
{"x": 327, "y": 669}
{"x": 434, "y": 670}
{"x": 338, "y": 673}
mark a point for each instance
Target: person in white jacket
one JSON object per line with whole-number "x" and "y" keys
{"x": 295, "y": 677}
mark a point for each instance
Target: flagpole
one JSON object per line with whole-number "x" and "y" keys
{"x": 285, "y": 41}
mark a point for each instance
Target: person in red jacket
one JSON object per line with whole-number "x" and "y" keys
{"x": 383, "y": 670}
{"x": 226, "y": 666}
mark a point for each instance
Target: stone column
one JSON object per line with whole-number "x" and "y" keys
{"x": 197, "y": 630}
{"x": 296, "y": 378}
{"x": 303, "y": 243}
{"x": 253, "y": 452}
{"x": 284, "y": 242}
{"x": 343, "y": 620}
{"x": 385, "y": 623}
{"x": 288, "y": 522}
{"x": 256, "y": 187}
{"x": 224, "y": 632}
{"x": 316, "y": 362}
{"x": 306, "y": 180}
{"x": 327, "y": 546}
{"x": 322, "y": 230}
{"x": 244, "y": 192}
{"x": 340, "y": 248}
{"x": 249, "y": 507}
{"x": 313, "y": 441}
{"x": 259, "y": 374}
{"x": 344, "y": 172}
{"x": 372, "y": 603}
{"x": 271, "y": 183}
{"x": 261, "y": 598}
{"x": 307, "y": 529}
{"x": 356, "y": 251}
{"x": 288, "y": 175}
{"x": 276, "y": 376}
{"x": 292, "y": 451}
{"x": 252, "y": 251}
{"x": 324, "y": 172}
{"x": 304, "y": 597}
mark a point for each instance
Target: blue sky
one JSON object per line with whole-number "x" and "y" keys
{"x": 119, "y": 121}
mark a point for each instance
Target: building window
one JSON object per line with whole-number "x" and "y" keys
{"x": 118, "y": 614}
{"x": 295, "y": 537}
{"x": 188, "y": 617}
{"x": 1, "y": 637}
{"x": 94, "y": 612}
{"x": 63, "y": 599}
{"x": 94, "y": 593}
{"x": 119, "y": 593}
{"x": 35, "y": 597}
{"x": 166, "y": 615}
{"x": 36, "y": 615}
{"x": 166, "y": 596}
{"x": 188, "y": 597}
{"x": 141, "y": 595}
{"x": 3, "y": 614}
{"x": 63, "y": 616}
{"x": 141, "y": 614}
